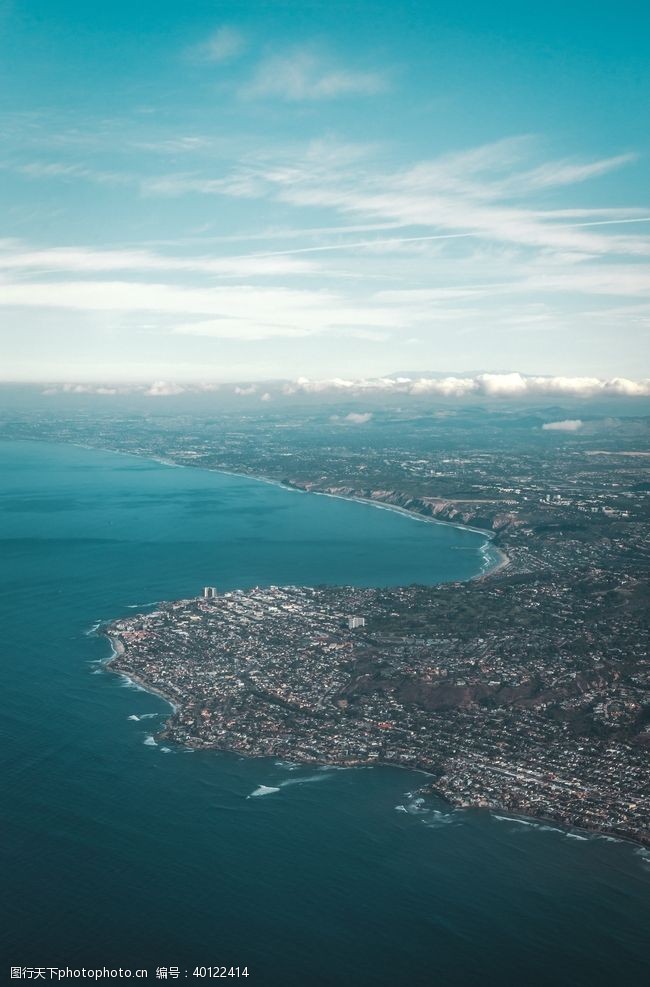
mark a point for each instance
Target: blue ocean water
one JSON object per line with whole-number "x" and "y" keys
{"x": 119, "y": 852}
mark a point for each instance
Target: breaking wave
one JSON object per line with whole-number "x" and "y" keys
{"x": 262, "y": 790}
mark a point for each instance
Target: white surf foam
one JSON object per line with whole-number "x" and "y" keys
{"x": 435, "y": 819}
{"x": 545, "y": 828}
{"x": 128, "y": 683}
{"x": 302, "y": 781}
{"x": 262, "y": 790}
{"x": 150, "y": 742}
{"x": 415, "y": 807}
{"x": 525, "y": 822}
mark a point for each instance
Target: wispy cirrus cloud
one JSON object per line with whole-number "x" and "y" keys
{"x": 189, "y": 302}
{"x": 555, "y": 174}
{"x": 223, "y": 45}
{"x": 72, "y": 171}
{"x": 463, "y": 256}
{"x": 242, "y": 312}
{"x": 16, "y": 256}
{"x": 302, "y": 75}
{"x": 474, "y": 193}
{"x": 458, "y": 196}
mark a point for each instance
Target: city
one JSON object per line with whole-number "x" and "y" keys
{"x": 525, "y": 689}
{"x": 544, "y": 714}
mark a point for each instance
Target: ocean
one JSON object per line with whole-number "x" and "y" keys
{"x": 121, "y": 852}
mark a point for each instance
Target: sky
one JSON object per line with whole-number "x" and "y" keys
{"x": 294, "y": 189}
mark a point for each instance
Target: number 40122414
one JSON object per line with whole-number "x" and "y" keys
{"x": 220, "y": 971}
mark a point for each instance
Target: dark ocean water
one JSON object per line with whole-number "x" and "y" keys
{"x": 118, "y": 853}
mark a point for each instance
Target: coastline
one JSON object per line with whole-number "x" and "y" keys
{"x": 502, "y": 563}
{"x": 119, "y": 650}
{"x": 579, "y": 832}
{"x": 565, "y": 827}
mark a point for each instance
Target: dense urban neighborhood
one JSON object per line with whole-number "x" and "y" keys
{"x": 542, "y": 716}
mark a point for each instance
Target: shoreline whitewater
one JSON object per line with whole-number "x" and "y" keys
{"x": 118, "y": 651}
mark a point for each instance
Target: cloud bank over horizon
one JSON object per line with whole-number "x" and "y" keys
{"x": 484, "y": 386}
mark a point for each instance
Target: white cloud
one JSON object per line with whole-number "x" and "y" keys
{"x": 234, "y": 312}
{"x": 567, "y": 425}
{"x": 225, "y": 44}
{"x": 358, "y": 418}
{"x": 482, "y": 386}
{"x": 447, "y": 387}
{"x": 302, "y": 75}
{"x": 163, "y": 389}
{"x": 512, "y": 385}
{"x": 72, "y": 171}
{"x": 462, "y": 194}
{"x": 101, "y": 389}
{"x": 15, "y": 256}
{"x": 558, "y": 173}
{"x": 474, "y": 261}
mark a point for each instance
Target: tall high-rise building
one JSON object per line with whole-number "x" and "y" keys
{"x": 354, "y": 622}
{"x": 209, "y": 592}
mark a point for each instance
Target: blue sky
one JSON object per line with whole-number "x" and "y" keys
{"x": 285, "y": 189}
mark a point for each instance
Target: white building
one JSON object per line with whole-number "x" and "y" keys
{"x": 354, "y": 622}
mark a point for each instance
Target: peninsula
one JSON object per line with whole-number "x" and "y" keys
{"x": 541, "y": 715}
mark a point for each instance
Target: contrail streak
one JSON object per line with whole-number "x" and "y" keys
{"x": 433, "y": 236}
